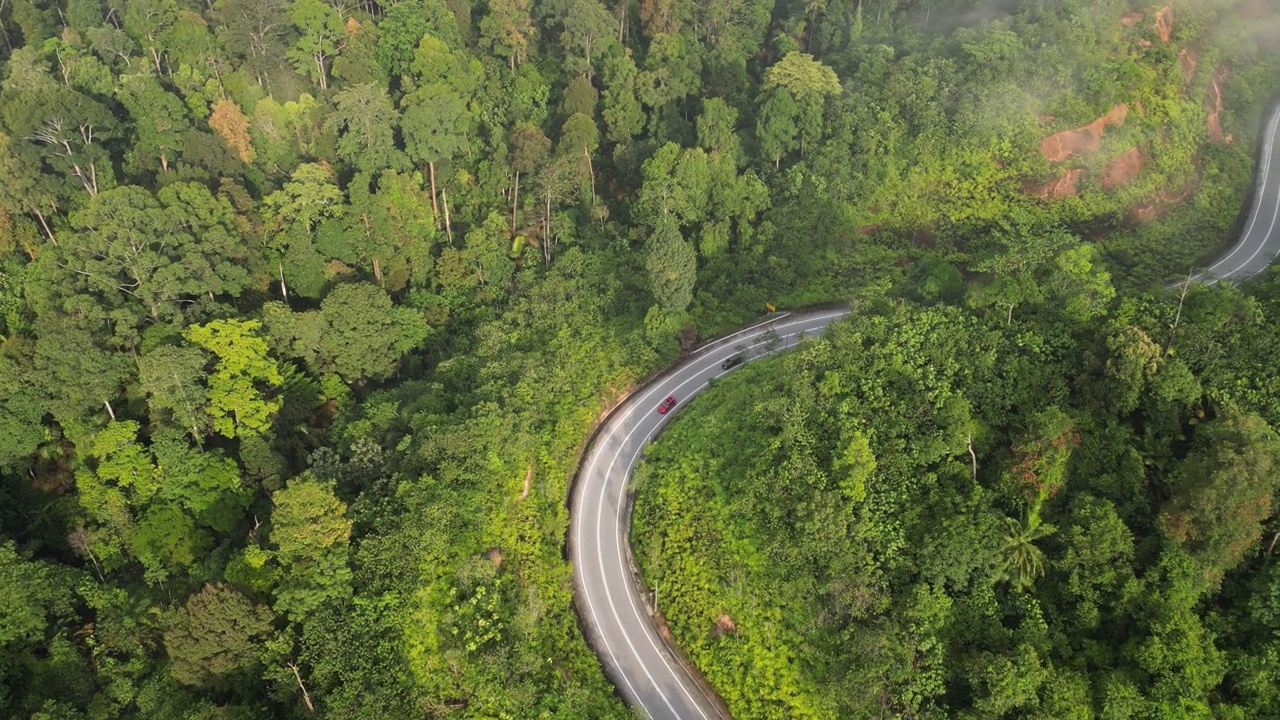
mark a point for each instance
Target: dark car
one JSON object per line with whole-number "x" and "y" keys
{"x": 666, "y": 405}
{"x": 732, "y": 362}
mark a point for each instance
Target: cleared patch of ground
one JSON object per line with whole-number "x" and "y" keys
{"x": 1187, "y": 61}
{"x": 1162, "y": 202}
{"x": 1065, "y": 185}
{"x": 1124, "y": 168}
{"x": 1088, "y": 138}
{"x": 1164, "y": 23}
{"x": 1215, "y": 107}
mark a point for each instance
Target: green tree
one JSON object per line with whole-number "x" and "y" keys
{"x": 623, "y": 114}
{"x": 216, "y": 634}
{"x": 172, "y": 379}
{"x": 802, "y": 76}
{"x": 776, "y": 126}
{"x": 22, "y": 410}
{"x": 166, "y": 541}
{"x": 403, "y": 26}
{"x": 587, "y": 29}
{"x": 242, "y": 376}
{"x": 1023, "y": 560}
{"x": 310, "y": 194}
{"x": 159, "y": 120}
{"x": 1223, "y": 491}
{"x": 254, "y": 31}
{"x": 672, "y": 266}
{"x": 365, "y": 122}
{"x": 204, "y": 482}
{"x": 529, "y": 150}
{"x": 132, "y": 247}
{"x": 34, "y": 596}
{"x": 1084, "y": 289}
{"x": 579, "y": 139}
{"x": 675, "y": 186}
{"x": 365, "y": 335}
{"x": 671, "y": 71}
{"x": 1097, "y": 559}
{"x": 310, "y": 531}
{"x": 580, "y": 96}
{"x": 79, "y": 373}
{"x": 24, "y": 190}
{"x": 63, "y": 131}
{"x": 32, "y": 590}
{"x": 436, "y": 122}
{"x": 321, "y": 37}
{"x": 508, "y": 30}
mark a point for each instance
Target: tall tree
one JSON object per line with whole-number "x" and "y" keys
{"x": 623, "y": 114}
{"x": 242, "y": 376}
{"x": 217, "y": 633}
{"x": 587, "y": 28}
{"x": 321, "y": 37}
{"x": 159, "y": 120}
{"x": 171, "y": 378}
{"x": 365, "y": 121}
{"x": 1223, "y": 491}
{"x": 64, "y": 131}
{"x": 529, "y": 150}
{"x": 310, "y": 531}
{"x": 365, "y": 335}
{"x": 508, "y": 30}
{"x": 672, "y": 265}
{"x": 435, "y": 123}
{"x": 402, "y": 27}
{"x": 255, "y": 30}
{"x": 130, "y": 246}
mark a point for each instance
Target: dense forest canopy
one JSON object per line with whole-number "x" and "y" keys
{"x": 306, "y": 307}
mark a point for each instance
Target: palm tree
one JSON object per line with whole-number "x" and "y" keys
{"x": 1023, "y": 561}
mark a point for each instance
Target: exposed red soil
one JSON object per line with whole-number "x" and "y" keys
{"x": 1215, "y": 107}
{"x": 1060, "y": 146}
{"x": 724, "y": 626}
{"x": 1130, "y": 19}
{"x": 528, "y": 482}
{"x": 1162, "y": 201}
{"x": 663, "y": 630}
{"x": 1164, "y": 23}
{"x": 1187, "y": 61}
{"x": 1123, "y": 169}
{"x": 1066, "y": 185}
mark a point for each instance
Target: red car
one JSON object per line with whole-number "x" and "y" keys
{"x": 666, "y": 405}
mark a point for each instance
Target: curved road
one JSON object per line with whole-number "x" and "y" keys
{"x": 1260, "y": 243}
{"x": 616, "y": 617}
{"x": 615, "y": 613}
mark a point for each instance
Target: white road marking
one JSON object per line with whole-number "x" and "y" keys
{"x": 716, "y": 342}
{"x": 1265, "y": 159}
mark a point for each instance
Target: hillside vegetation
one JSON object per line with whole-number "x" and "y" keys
{"x": 307, "y": 306}
{"x": 932, "y": 512}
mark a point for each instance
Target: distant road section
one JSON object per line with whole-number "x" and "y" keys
{"x": 1260, "y": 243}
{"x": 615, "y": 611}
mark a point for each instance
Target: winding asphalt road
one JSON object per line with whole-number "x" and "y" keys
{"x": 615, "y": 612}
{"x": 1260, "y": 243}
{"x": 616, "y": 615}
